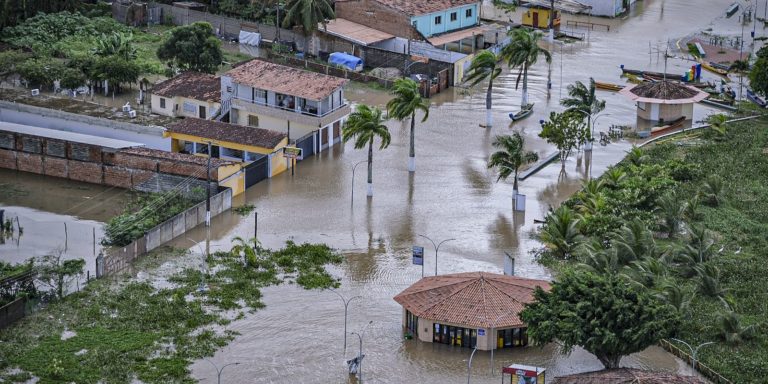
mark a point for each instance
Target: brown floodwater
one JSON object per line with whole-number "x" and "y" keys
{"x": 298, "y": 337}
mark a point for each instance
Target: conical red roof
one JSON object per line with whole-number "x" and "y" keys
{"x": 475, "y": 299}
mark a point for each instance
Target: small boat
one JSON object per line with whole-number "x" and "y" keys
{"x": 607, "y": 86}
{"x": 525, "y": 112}
{"x": 709, "y": 67}
{"x": 753, "y": 97}
{"x": 649, "y": 74}
{"x": 720, "y": 103}
{"x": 673, "y": 125}
{"x": 633, "y": 78}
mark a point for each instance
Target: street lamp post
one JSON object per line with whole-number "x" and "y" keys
{"x": 469, "y": 364}
{"x": 219, "y": 371}
{"x": 353, "y": 178}
{"x": 360, "y": 353}
{"x": 493, "y": 334}
{"x": 437, "y": 248}
{"x": 202, "y": 287}
{"x": 346, "y": 306}
{"x": 694, "y": 351}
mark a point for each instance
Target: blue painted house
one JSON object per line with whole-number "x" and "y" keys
{"x": 411, "y": 19}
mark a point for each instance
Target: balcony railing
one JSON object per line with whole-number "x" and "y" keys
{"x": 291, "y": 114}
{"x": 305, "y": 111}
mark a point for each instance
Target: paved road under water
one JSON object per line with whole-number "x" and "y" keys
{"x": 298, "y": 338}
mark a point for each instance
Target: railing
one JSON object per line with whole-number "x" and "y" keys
{"x": 586, "y": 24}
{"x": 294, "y": 110}
{"x": 708, "y": 372}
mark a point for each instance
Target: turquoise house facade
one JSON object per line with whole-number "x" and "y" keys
{"x": 451, "y": 19}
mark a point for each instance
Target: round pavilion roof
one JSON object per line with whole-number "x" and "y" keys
{"x": 474, "y": 299}
{"x": 664, "y": 92}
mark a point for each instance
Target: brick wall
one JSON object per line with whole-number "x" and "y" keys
{"x": 377, "y": 16}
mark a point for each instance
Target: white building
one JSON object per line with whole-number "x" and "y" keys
{"x": 609, "y": 8}
{"x": 308, "y": 107}
{"x": 190, "y": 94}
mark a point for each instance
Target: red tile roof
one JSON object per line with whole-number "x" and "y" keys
{"x": 232, "y": 133}
{"x": 475, "y": 299}
{"x": 175, "y": 156}
{"x": 421, "y": 7}
{"x": 193, "y": 85}
{"x": 627, "y": 376}
{"x": 286, "y": 80}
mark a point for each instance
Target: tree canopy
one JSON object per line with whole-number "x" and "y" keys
{"x": 192, "y": 47}
{"x": 758, "y": 76}
{"x": 600, "y": 313}
{"x": 307, "y": 14}
{"x": 565, "y": 131}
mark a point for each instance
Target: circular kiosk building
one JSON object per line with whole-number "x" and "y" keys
{"x": 664, "y": 101}
{"x": 468, "y": 309}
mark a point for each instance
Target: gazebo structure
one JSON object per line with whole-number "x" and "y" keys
{"x": 468, "y": 309}
{"x": 627, "y": 376}
{"x": 664, "y": 100}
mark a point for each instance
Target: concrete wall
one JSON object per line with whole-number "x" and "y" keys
{"x": 117, "y": 259}
{"x": 375, "y": 15}
{"x": 174, "y": 107}
{"x": 427, "y": 24}
{"x": 610, "y": 8}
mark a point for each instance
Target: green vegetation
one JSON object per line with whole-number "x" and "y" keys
{"x": 244, "y": 210}
{"x": 404, "y": 105}
{"x": 566, "y": 131}
{"x": 146, "y": 212}
{"x": 192, "y": 47}
{"x": 758, "y": 75}
{"x": 684, "y": 221}
{"x": 593, "y": 311}
{"x": 128, "y": 330}
{"x": 485, "y": 65}
{"x": 582, "y": 98}
{"x": 523, "y": 52}
{"x": 510, "y": 156}
{"x": 364, "y": 125}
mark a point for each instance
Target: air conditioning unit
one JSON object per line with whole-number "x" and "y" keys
{"x": 132, "y": 114}
{"x": 127, "y": 107}
{"x": 35, "y": 92}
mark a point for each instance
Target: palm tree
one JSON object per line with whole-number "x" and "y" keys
{"x": 636, "y": 156}
{"x": 510, "y": 157}
{"x": 731, "y": 330}
{"x": 561, "y": 233}
{"x": 307, "y": 14}
{"x": 405, "y": 104}
{"x": 712, "y": 190}
{"x": 718, "y": 124}
{"x": 671, "y": 211}
{"x": 364, "y": 125}
{"x": 485, "y": 65}
{"x": 584, "y": 100}
{"x": 523, "y": 52}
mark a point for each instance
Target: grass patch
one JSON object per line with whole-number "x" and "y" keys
{"x": 126, "y": 330}
{"x": 244, "y": 210}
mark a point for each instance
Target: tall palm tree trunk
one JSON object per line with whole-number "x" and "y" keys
{"x": 588, "y": 145}
{"x": 524, "y": 102}
{"x": 514, "y": 186}
{"x": 412, "y": 153}
{"x": 370, "y": 168}
{"x": 488, "y": 98}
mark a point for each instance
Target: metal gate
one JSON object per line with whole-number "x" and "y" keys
{"x": 256, "y": 171}
{"x": 307, "y": 145}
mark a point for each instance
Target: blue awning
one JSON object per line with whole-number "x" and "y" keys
{"x": 350, "y": 62}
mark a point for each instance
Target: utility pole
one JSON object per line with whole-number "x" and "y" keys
{"x": 208, "y": 189}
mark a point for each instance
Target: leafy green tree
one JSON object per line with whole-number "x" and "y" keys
{"x": 57, "y": 273}
{"x": 39, "y": 72}
{"x": 307, "y": 14}
{"x": 523, "y": 52}
{"x": 116, "y": 71}
{"x": 404, "y": 105}
{"x": 584, "y": 99}
{"x": 192, "y": 47}
{"x": 71, "y": 78}
{"x": 510, "y": 156}
{"x": 364, "y": 125}
{"x": 758, "y": 75}
{"x": 560, "y": 233}
{"x": 9, "y": 62}
{"x": 115, "y": 44}
{"x": 600, "y": 313}
{"x": 485, "y": 65}
{"x": 565, "y": 131}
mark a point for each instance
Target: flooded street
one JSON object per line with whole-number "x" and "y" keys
{"x": 298, "y": 338}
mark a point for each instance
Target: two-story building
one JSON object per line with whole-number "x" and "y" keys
{"x": 190, "y": 94}
{"x": 308, "y": 107}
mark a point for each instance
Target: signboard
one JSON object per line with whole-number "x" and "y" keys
{"x": 418, "y": 255}
{"x": 481, "y": 332}
{"x": 292, "y": 153}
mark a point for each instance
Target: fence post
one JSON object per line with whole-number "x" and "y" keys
{"x": 99, "y": 265}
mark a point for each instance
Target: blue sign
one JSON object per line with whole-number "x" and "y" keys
{"x": 481, "y": 332}
{"x": 418, "y": 255}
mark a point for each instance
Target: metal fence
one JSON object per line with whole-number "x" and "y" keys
{"x": 708, "y": 372}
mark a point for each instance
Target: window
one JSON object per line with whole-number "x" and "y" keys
{"x": 253, "y": 120}
{"x": 162, "y": 103}
{"x": 454, "y": 16}
{"x": 259, "y": 95}
{"x": 229, "y": 89}
{"x": 416, "y": 24}
{"x": 468, "y": 12}
{"x": 438, "y": 20}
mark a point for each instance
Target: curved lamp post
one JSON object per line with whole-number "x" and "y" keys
{"x": 360, "y": 353}
{"x": 694, "y": 351}
{"x": 437, "y": 248}
{"x": 346, "y": 306}
{"x": 219, "y": 371}
{"x": 353, "y": 178}
{"x": 469, "y": 364}
{"x": 493, "y": 334}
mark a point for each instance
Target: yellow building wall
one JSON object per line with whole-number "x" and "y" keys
{"x": 458, "y": 75}
{"x": 236, "y": 182}
{"x": 543, "y": 18}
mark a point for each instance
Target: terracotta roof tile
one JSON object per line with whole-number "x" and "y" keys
{"x": 476, "y": 299}
{"x": 286, "y": 80}
{"x": 627, "y": 376}
{"x": 421, "y": 7}
{"x": 232, "y": 133}
{"x": 193, "y": 85}
{"x": 175, "y": 156}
